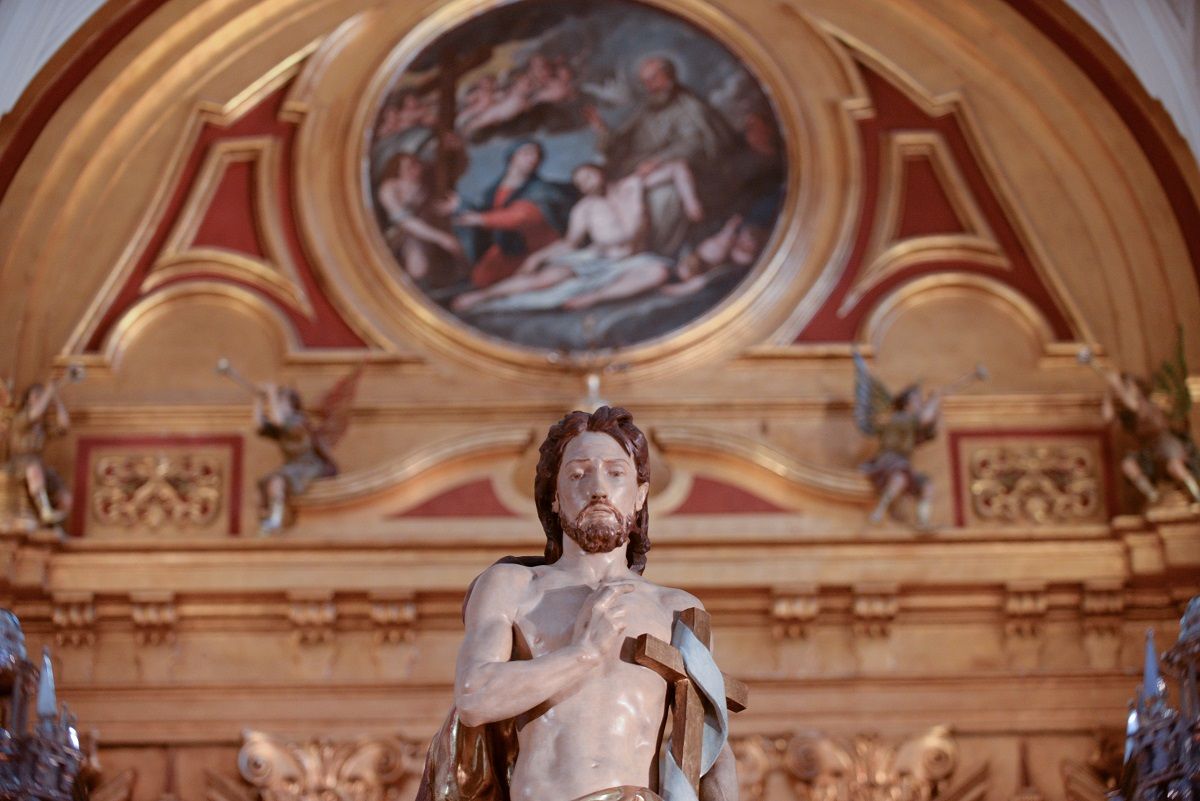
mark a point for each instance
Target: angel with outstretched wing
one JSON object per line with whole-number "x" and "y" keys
{"x": 901, "y": 422}
{"x": 306, "y": 439}
{"x": 1156, "y": 413}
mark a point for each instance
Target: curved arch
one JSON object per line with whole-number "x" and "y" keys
{"x": 932, "y": 287}
{"x": 148, "y": 309}
{"x": 383, "y": 478}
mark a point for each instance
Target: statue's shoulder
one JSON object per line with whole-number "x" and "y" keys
{"x": 500, "y": 587}
{"x": 678, "y": 600}
{"x": 503, "y": 578}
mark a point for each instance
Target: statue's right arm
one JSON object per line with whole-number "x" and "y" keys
{"x": 488, "y": 687}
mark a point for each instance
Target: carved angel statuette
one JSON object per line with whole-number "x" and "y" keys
{"x": 1157, "y": 415}
{"x": 306, "y": 439}
{"x": 901, "y": 422}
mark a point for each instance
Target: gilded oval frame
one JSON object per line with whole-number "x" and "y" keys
{"x": 740, "y": 319}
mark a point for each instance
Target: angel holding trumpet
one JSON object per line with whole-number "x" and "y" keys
{"x": 901, "y": 422}
{"x": 26, "y": 425}
{"x": 306, "y": 439}
{"x": 1156, "y": 414}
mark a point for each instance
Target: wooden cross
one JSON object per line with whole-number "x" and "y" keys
{"x": 687, "y": 729}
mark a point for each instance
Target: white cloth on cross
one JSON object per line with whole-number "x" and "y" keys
{"x": 710, "y": 684}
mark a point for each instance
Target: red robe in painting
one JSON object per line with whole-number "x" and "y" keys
{"x": 520, "y": 216}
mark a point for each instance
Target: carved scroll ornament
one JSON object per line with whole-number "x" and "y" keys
{"x": 1034, "y": 483}
{"x": 325, "y": 770}
{"x": 156, "y": 491}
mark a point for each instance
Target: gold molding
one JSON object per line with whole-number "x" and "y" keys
{"x": 147, "y": 309}
{"x": 374, "y": 481}
{"x": 950, "y": 284}
{"x": 854, "y": 104}
{"x": 886, "y": 254}
{"x": 277, "y": 274}
{"x": 840, "y": 484}
{"x": 205, "y": 112}
{"x": 406, "y": 314}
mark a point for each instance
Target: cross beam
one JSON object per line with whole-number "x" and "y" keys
{"x": 688, "y": 720}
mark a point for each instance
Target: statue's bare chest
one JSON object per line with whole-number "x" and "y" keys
{"x": 546, "y": 622}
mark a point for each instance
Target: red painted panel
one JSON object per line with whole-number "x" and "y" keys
{"x": 712, "y": 497}
{"x": 926, "y": 208}
{"x": 895, "y": 112}
{"x": 474, "y": 499}
{"x": 229, "y": 222}
{"x": 327, "y": 329}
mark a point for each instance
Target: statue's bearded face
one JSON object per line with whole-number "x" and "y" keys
{"x": 598, "y": 493}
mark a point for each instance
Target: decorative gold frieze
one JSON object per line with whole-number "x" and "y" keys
{"x": 1034, "y": 483}
{"x": 868, "y": 767}
{"x": 756, "y": 758}
{"x": 1095, "y": 778}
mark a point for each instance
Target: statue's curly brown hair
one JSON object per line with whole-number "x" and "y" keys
{"x": 618, "y": 424}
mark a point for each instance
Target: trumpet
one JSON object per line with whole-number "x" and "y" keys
{"x": 225, "y": 368}
{"x": 74, "y": 374}
{"x": 980, "y": 373}
{"x": 1087, "y": 357}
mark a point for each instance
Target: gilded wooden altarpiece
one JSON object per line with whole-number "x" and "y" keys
{"x": 952, "y": 186}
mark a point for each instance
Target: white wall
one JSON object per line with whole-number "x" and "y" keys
{"x": 30, "y": 32}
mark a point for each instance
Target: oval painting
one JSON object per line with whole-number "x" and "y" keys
{"x": 576, "y": 174}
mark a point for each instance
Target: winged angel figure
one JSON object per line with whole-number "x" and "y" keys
{"x": 901, "y": 422}
{"x": 306, "y": 439}
{"x": 1157, "y": 414}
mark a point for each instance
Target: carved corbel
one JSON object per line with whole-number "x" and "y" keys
{"x": 875, "y": 609}
{"x": 1025, "y": 609}
{"x": 74, "y": 619}
{"x": 154, "y": 618}
{"x": 1102, "y": 605}
{"x": 793, "y": 609}
{"x": 313, "y": 616}
{"x": 1025, "y": 606}
{"x": 394, "y": 617}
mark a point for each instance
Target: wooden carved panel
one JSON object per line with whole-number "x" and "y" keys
{"x": 366, "y": 769}
{"x": 158, "y": 485}
{"x": 1022, "y": 478}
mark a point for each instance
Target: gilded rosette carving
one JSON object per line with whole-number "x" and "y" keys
{"x": 160, "y": 485}
{"x": 324, "y": 770}
{"x": 1034, "y": 483}
{"x": 1030, "y": 477}
{"x": 157, "y": 491}
{"x": 867, "y": 767}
